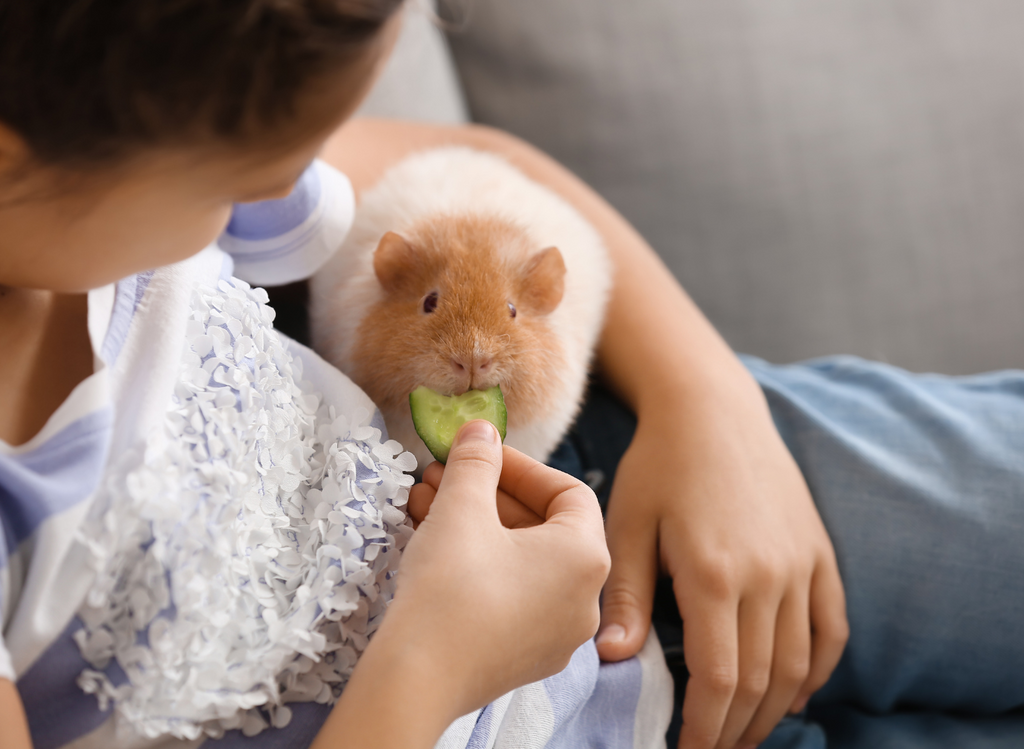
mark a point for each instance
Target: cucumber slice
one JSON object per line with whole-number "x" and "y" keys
{"x": 438, "y": 417}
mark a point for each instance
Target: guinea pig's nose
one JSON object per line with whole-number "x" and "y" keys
{"x": 480, "y": 366}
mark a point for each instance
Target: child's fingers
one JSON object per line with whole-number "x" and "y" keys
{"x": 629, "y": 593}
{"x": 790, "y": 665}
{"x": 541, "y": 492}
{"x": 711, "y": 649}
{"x": 432, "y": 474}
{"x": 514, "y": 514}
{"x": 523, "y": 479}
{"x": 420, "y": 498}
{"x": 565, "y": 503}
{"x": 534, "y": 484}
{"x": 572, "y": 534}
{"x": 470, "y": 480}
{"x": 757, "y": 650}
{"x": 511, "y": 512}
{"x": 830, "y": 629}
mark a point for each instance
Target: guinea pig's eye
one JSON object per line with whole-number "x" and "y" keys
{"x": 511, "y": 309}
{"x": 430, "y": 302}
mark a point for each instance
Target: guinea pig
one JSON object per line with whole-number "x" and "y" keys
{"x": 461, "y": 273}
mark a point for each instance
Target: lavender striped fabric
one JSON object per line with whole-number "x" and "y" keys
{"x": 589, "y": 705}
{"x": 268, "y": 219}
{"x": 275, "y": 242}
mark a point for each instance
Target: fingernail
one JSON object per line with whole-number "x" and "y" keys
{"x": 800, "y": 704}
{"x": 478, "y": 431}
{"x": 611, "y": 634}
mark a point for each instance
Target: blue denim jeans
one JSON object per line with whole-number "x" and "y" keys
{"x": 920, "y": 482}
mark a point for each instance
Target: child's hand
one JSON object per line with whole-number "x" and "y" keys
{"x": 499, "y": 608}
{"x": 511, "y": 512}
{"x": 754, "y": 573}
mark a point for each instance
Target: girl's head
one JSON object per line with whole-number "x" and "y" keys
{"x": 129, "y": 127}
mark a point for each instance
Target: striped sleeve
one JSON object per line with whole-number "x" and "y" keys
{"x": 275, "y": 242}
{"x": 8, "y": 550}
{"x": 6, "y": 667}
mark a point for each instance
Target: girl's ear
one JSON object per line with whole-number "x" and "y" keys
{"x": 543, "y": 282}
{"x": 395, "y": 261}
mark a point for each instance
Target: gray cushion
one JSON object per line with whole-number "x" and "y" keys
{"x": 419, "y": 81}
{"x": 840, "y": 176}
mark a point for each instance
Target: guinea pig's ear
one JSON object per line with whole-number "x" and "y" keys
{"x": 394, "y": 261}
{"x": 543, "y": 281}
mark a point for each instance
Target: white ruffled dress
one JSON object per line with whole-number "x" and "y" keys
{"x": 246, "y": 548}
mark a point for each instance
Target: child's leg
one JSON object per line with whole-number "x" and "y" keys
{"x": 920, "y": 482}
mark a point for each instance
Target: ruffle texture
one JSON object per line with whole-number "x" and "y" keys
{"x": 246, "y": 552}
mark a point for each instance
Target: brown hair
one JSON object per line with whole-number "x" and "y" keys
{"x": 87, "y": 81}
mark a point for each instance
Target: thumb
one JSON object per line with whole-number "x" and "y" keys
{"x": 471, "y": 474}
{"x": 628, "y": 595}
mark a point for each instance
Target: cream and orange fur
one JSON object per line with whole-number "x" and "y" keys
{"x": 473, "y": 230}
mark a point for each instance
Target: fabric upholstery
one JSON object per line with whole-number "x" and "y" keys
{"x": 823, "y": 177}
{"x": 419, "y": 81}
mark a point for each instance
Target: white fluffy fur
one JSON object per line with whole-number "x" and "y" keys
{"x": 460, "y": 181}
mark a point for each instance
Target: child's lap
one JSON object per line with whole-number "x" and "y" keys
{"x": 920, "y": 482}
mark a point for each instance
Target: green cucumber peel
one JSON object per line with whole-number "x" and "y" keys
{"x": 437, "y": 417}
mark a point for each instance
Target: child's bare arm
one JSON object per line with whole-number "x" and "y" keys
{"x": 707, "y": 490}
{"x": 12, "y": 717}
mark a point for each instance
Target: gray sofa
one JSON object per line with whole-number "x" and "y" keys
{"x": 822, "y": 177}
